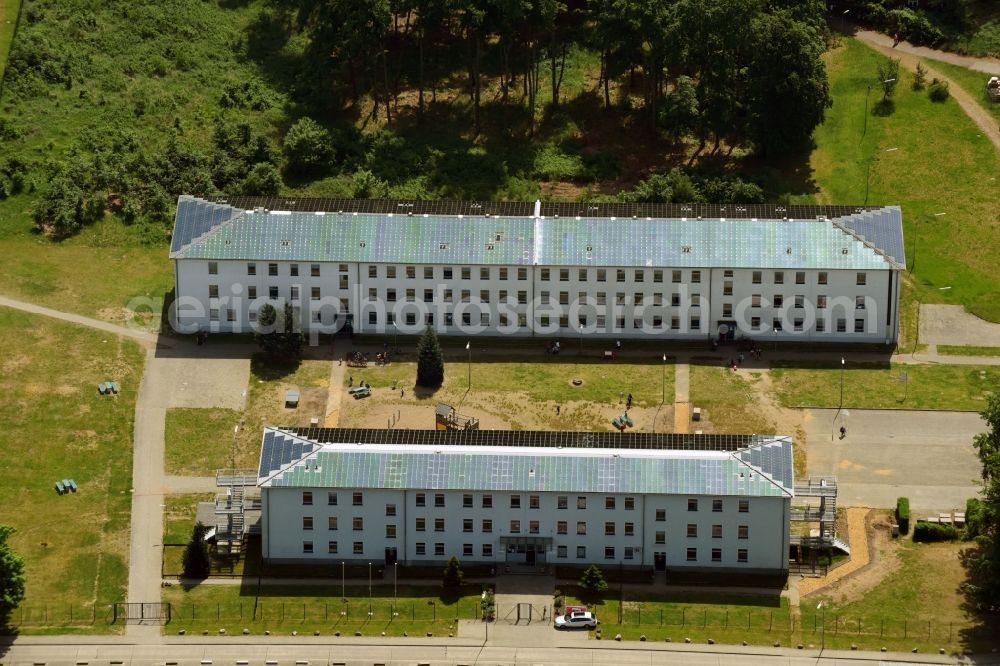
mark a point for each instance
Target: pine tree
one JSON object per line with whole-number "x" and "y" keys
{"x": 11, "y": 575}
{"x": 430, "y": 361}
{"x": 196, "y": 560}
{"x": 452, "y": 580}
{"x": 592, "y": 583}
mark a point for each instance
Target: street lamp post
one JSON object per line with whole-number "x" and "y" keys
{"x": 395, "y": 581}
{"x": 913, "y": 263}
{"x": 468, "y": 348}
{"x": 840, "y": 407}
{"x": 580, "y": 327}
{"x": 343, "y": 590}
{"x": 867, "y": 93}
{"x": 663, "y": 381}
{"x": 821, "y": 606}
{"x": 369, "y": 589}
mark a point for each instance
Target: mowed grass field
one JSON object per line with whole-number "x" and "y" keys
{"x": 56, "y": 426}
{"x": 729, "y": 401}
{"x": 948, "y": 387}
{"x": 941, "y": 163}
{"x": 971, "y": 81}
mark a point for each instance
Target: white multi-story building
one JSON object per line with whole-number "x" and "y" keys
{"x": 830, "y": 277}
{"x": 684, "y": 503}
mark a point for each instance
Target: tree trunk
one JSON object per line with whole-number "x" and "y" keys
{"x": 552, "y": 70}
{"x": 385, "y": 83}
{"x": 476, "y": 83}
{"x": 605, "y": 74}
{"x": 420, "y": 71}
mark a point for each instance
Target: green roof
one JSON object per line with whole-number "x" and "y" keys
{"x": 768, "y": 473}
{"x": 867, "y": 240}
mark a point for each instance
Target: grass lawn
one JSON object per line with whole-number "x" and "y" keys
{"x": 954, "y": 173}
{"x": 946, "y": 387}
{"x": 522, "y": 394}
{"x": 198, "y": 441}
{"x": 971, "y": 81}
{"x": 729, "y": 401}
{"x": 283, "y": 609}
{"x": 725, "y": 619}
{"x": 56, "y": 426}
{"x": 958, "y": 350}
{"x": 918, "y": 605}
{"x": 8, "y": 18}
{"x": 178, "y": 521}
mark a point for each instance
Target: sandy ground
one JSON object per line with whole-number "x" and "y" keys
{"x": 507, "y": 411}
{"x": 852, "y": 579}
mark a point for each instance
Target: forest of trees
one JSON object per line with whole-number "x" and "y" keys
{"x": 349, "y": 90}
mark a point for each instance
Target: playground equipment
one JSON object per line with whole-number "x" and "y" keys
{"x": 446, "y": 418}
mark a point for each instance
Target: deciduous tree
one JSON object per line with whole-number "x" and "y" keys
{"x": 12, "y": 577}
{"x": 985, "y": 564}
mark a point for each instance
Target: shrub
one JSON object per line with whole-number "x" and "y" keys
{"x": 308, "y": 146}
{"x": 903, "y": 515}
{"x": 938, "y": 90}
{"x": 920, "y": 77}
{"x": 931, "y": 532}
{"x": 973, "y": 518}
{"x": 592, "y": 583}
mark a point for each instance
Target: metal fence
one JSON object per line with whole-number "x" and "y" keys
{"x": 354, "y": 610}
{"x": 61, "y": 615}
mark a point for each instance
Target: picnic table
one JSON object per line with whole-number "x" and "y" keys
{"x": 292, "y": 398}
{"x": 108, "y": 388}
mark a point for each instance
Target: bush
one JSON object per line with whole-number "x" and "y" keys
{"x": 308, "y": 147}
{"x": 938, "y": 90}
{"x": 592, "y": 583}
{"x": 973, "y": 518}
{"x": 903, "y": 515}
{"x": 920, "y": 77}
{"x": 932, "y": 532}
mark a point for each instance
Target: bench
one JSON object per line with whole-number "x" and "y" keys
{"x": 60, "y": 488}
{"x": 70, "y": 484}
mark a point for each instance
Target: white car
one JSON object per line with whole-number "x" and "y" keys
{"x": 576, "y": 619}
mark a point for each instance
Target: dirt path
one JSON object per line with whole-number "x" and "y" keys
{"x": 909, "y": 59}
{"x": 985, "y": 65}
{"x": 858, "y": 539}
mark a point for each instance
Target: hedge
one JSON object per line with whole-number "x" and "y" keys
{"x": 903, "y": 515}
{"x": 929, "y": 532}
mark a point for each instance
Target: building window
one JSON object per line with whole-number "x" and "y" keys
{"x": 487, "y": 550}
{"x": 755, "y": 323}
{"x": 515, "y": 527}
{"x": 357, "y": 499}
{"x": 581, "y": 502}
{"x": 727, "y": 288}
{"x": 359, "y": 548}
{"x": 716, "y": 554}
{"x": 661, "y": 538}
{"x": 744, "y": 506}
{"x": 692, "y": 530}
{"x": 331, "y": 498}
{"x": 797, "y": 324}
{"x": 859, "y": 302}
{"x": 331, "y": 547}
{"x": 562, "y": 502}
{"x": 675, "y": 277}
{"x": 620, "y": 275}
{"x": 716, "y": 531}
{"x": 564, "y": 275}
{"x": 420, "y": 524}
{"x": 717, "y": 506}
{"x": 251, "y": 268}
{"x": 420, "y": 499}
{"x": 307, "y": 522}
{"x": 293, "y": 270}
{"x": 390, "y": 272}
{"x": 213, "y": 291}
{"x": 331, "y": 523}
{"x": 756, "y": 279}
{"x": 421, "y": 548}
{"x": 609, "y": 529}
{"x": 533, "y": 527}
{"x": 727, "y": 310}
{"x": 859, "y": 325}
{"x": 661, "y": 515}
{"x": 581, "y": 552}
{"x": 522, "y": 273}
{"x": 862, "y": 279}
{"x": 373, "y": 272}
{"x": 821, "y": 278}
{"x": 776, "y": 324}
{"x": 487, "y": 526}
{"x": 800, "y": 301}
{"x": 213, "y": 314}
{"x": 439, "y": 500}
{"x": 743, "y": 532}
{"x": 821, "y": 302}
{"x": 630, "y": 503}
{"x": 841, "y": 325}
{"x": 692, "y": 554}
{"x": 466, "y": 550}
{"x": 390, "y": 531}
{"x": 779, "y": 300}
{"x": 293, "y": 292}
{"x": 467, "y": 500}
{"x": 251, "y": 292}
{"x": 562, "y": 527}
{"x": 213, "y": 268}
{"x": 272, "y": 270}
{"x": 609, "y": 503}
{"x": 428, "y": 272}
{"x": 609, "y": 552}
{"x": 307, "y": 547}
{"x": 515, "y": 501}
{"x": 629, "y": 553}
{"x": 741, "y": 555}
{"x": 314, "y": 270}
{"x": 534, "y": 501}
{"x": 561, "y": 552}
{"x": 800, "y": 277}
{"x": 581, "y": 527}
{"x": 629, "y": 529}
{"x": 307, "y": 498}
{"x": 439, "y": 524}
{"x": 544, "y": 275}
{"x": 487, "y": 501}
{"x": 696, "y": 277}
{"x": 692, "y": 504}
{"x": 315, "y": 293}
{"x": 467, "y": 524}
{"x": 358, "y": 524}
{"x": 779, "y": 277}
{"x": 820, "y": 325}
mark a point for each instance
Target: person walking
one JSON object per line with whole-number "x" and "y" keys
{"x": 628, "y": 403}
{"x": 557, "y": 410}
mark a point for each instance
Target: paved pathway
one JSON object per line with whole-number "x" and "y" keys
{"x": 985, "y": 65}
{"x": 909, "y": 56}
{"x": 144, "y": 337}
{"x": 682, "y": 395}
{"x": 335, "y": 390}
{"x": 953, "y": 325}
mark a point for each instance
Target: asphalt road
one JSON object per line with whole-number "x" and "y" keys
{"x": 926, "y": 456}
{"x": 307, "y": 651}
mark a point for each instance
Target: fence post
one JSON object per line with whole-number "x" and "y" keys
{"x": 218, "y": 611}
{"x": 683, "y": 617}
{"x": 704, "y": 624}
{"x": 71, "y": 613}
{"x": 282, "y": 619}
{"x": 748, "y": 620}
{"x": 661, "y": 617}
{"x": 770, "y": 625}
{"x": 241, "y": 610}
{"x": 727, "y": 618}
{"x": 904, "y": 628}
{"x": 881, "y": 627}
{"x": 303, "y": 611}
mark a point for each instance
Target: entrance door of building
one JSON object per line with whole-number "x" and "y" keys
{"x": 660, "y": 561}
{"x": 529, "y": 556}
{"x": 390, "y": 557}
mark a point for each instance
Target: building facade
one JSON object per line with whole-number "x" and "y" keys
{"x": 820, "y": 278}
{"x": 327, "y": 498}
